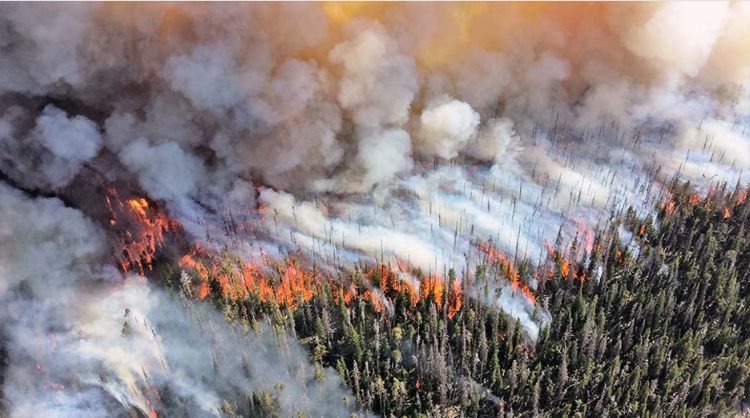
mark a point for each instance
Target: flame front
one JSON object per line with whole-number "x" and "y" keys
{"x": 288, "y": 284}
{"x": 509, "y": 270}
{"x": 140, "y": 230}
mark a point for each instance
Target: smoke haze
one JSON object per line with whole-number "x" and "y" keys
{"x": 345, "y": 134}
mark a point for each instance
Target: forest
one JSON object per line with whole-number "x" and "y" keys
{"x": 655, "y": 329}
{"x": 374, "y": 209}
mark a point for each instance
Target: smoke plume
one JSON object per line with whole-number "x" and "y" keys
{"x": 345, "y": 134}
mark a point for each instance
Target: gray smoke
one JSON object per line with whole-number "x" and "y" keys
{"x": 409, "y": 131}
{"x": 84, "y": 340}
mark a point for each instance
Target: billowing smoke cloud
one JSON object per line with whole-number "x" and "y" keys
{"x": 164, "y": 171}
{"x": 383, "y": 156}
{"x": 82, "y": 340}
{"x": 699, "y": 25}
{"x": 445, "y": 128}
{"x": 377, "y": 82}
{"x": 411, "y": 132}
{"x": 52, "y": 152}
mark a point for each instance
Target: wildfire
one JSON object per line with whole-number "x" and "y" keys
{"x": 549, "y": 247}
{"x": 726, "y": 202}
{"x": 237, "y": 280}
{"x": 152, "y": 411}
{"x": 565, "y": 268}
{"x": 295, "y": 285}
{"x": 140, "y": 230}
{"x": 741, "y": 196}
{"x": 401, "y": 265}
{"x": 509, "y": 270}
{"x": 670, "y": 207}
{"x": 288, "y": 284}
{"x": 528, "y": 294}
{"x": 566, "y": 265}
{"x": 433, "y": 286}
{"x": 49, "y": 384}
{"x": 586, "y": 234}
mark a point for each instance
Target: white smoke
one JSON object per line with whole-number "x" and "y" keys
{"x": 83, "y": 340}
{"x": 164, "y": 171}
{"x": 377, "y": 83}
{"x": 411, "y": 132}
{"x": 383, "y": 156}
{"x": 445, "y": 128}
{"x": 698, "y": 24}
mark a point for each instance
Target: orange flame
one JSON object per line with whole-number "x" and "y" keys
{"x": 401, "y": 265}
{"x": 565, "y": 268}
{"x": 529, "y": 294}
{"x": 742, "y": 196}
{"x": 565, "y": 265}
{"x": 550, "y": 248}
{"x": 509, "y": 270}
{"x": 457, "y": 298}
{"x": 292, "y": 284}
{"x": 152, "y": 411}
{"x": 670, "y": 207}
{"x": 141, "y": 229}
{"x": 433, "y": 286}
{"x": 374, "y": 299}
{"x": 586, "y": 234}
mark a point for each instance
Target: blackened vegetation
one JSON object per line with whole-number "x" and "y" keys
{"x": 663, "y": 333}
